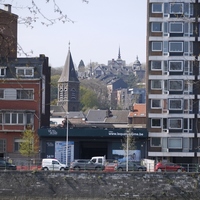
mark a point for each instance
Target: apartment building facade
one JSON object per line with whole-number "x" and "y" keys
{"x": 24, "y": 89}
{"x": 173, "y": 80}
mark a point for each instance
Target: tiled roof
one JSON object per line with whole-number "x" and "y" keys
{"x": 138, "y": 110}
{"x": 118, "y": 116}
{"x": 96, "y": 116}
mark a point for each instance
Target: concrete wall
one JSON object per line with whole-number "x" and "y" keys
{"x": 97, "y": 185}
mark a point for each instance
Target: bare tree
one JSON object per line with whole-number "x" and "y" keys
{"x": 128, "y": 144}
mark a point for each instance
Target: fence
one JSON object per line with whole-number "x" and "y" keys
{"x": 167, "y": 167}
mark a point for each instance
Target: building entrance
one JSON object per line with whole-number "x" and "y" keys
{"x": 90, "y": 149}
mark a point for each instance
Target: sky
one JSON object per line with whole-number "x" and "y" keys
{"x": 99, "y": 29}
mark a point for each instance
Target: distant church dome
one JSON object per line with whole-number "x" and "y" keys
{"x": 137, "y": 62}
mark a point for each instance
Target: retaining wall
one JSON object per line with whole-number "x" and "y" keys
{"x": 45, "y": 185}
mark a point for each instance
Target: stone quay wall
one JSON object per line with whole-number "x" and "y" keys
{"x": 29, "y": 185}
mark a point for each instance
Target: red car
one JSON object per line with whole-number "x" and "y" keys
{"x": 110, "y": 167}
{"x": 168, "y": 167}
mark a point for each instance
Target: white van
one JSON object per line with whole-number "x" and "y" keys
{"x": 53, "y": 164}
{"x": 99, "y": 159}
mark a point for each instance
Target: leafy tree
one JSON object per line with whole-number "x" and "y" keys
{"x": 88, "y": 99}
{"x": 100, "y": 91}
{"x": 54, "y": 89}
{"x": 29, "y": 146}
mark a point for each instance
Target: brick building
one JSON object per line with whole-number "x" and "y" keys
{"x": 24, "y": 94}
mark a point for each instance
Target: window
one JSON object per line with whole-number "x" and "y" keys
{"x": 175, "y": 85}
{"x": 73, "y": 93}
{"x": 156, "y": 8}
{"x": 175, "y": 143}
{"x": 1, "y": 118}
{"x": 176, "y": 66}
{"x": 2, "y": 145}
{"x": 188, "y": 48}
{"x": 155, "y": 103}
{"x": 176, "y": 27}
{"x": 155, "y": 123}
{"x": 55, "y": 162}
{"x": 14, "y": 118}
{"x": 17, "y": 144}
{"x": 176, "y": 46}
{"x": 156, "y": 27}
{"x": 156, "y": 84}
{"x": 29, "y": 118}
{"x": 156, "y": 46}
{"x": 175, "y": 104}
{"x": 1, "y": 93}
{"x": 156, "y": 65}
{"x": 25, "y": 71}
{"x": 2, "y": 71}
{"x": 175, "y": 123}
{"x": 176, "y": 8}
{"x": 24, "y": 94}
{"x": 156, "y": 142}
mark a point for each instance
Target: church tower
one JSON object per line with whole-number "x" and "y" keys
{"x": 68, "y": 87}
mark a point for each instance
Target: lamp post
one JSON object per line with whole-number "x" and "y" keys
{"x": 67, "y": 140}
{"x": 127, "y": 150}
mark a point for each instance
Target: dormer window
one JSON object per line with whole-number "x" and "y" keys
{"x": 25, "y": 71}
{"x": 2, "y": 71}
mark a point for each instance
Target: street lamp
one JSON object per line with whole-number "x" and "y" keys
{"x": 127, "y": 150}
{"x": 67, "y": 135}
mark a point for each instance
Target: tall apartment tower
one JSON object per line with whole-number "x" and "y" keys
{"x": 173, "y": 80}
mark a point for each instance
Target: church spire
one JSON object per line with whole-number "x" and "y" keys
{"x": 68, "y": 86}
{"x": 68, "y": 73}
{"x": 119, "y": 55}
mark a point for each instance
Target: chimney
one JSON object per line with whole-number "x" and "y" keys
{"x": 7, "y": 7}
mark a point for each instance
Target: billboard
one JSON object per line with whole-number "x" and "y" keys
{"x": 60, "y": 151}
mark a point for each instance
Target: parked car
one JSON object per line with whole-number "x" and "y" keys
{"x": 168, "y": 166}
{"x": 53, "y": 164}
{"x": 110, "y": 167}
{"x": 82, "y": 164}
{"x": 4, "y": 165}
{"x": 132, "y": 166}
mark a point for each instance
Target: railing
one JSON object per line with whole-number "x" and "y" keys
{"x": 28, "y": 164}
{"x": 182, "y": 167}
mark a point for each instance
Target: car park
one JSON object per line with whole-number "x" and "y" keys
{"x": 168, "y": 167}
{"x": 132, "y": 166}
{"x": 4, "y": 165}
{"x": 82, "y": 164}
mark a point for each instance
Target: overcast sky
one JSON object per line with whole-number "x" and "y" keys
{"x": 99, "y": 29}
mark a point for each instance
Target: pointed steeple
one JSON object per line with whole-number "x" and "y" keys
{"x": 68, "y": 73}
{"x": 68, "y": 86}
{"x": 119, "y": 55}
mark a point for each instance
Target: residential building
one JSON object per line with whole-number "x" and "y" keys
{"x": 112, "y": 88}
{"x": 24, "y": 100}
{"x": 8, "y": 33}
{"x": 173, "y": 74}
{"x": 24, "y": 91}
